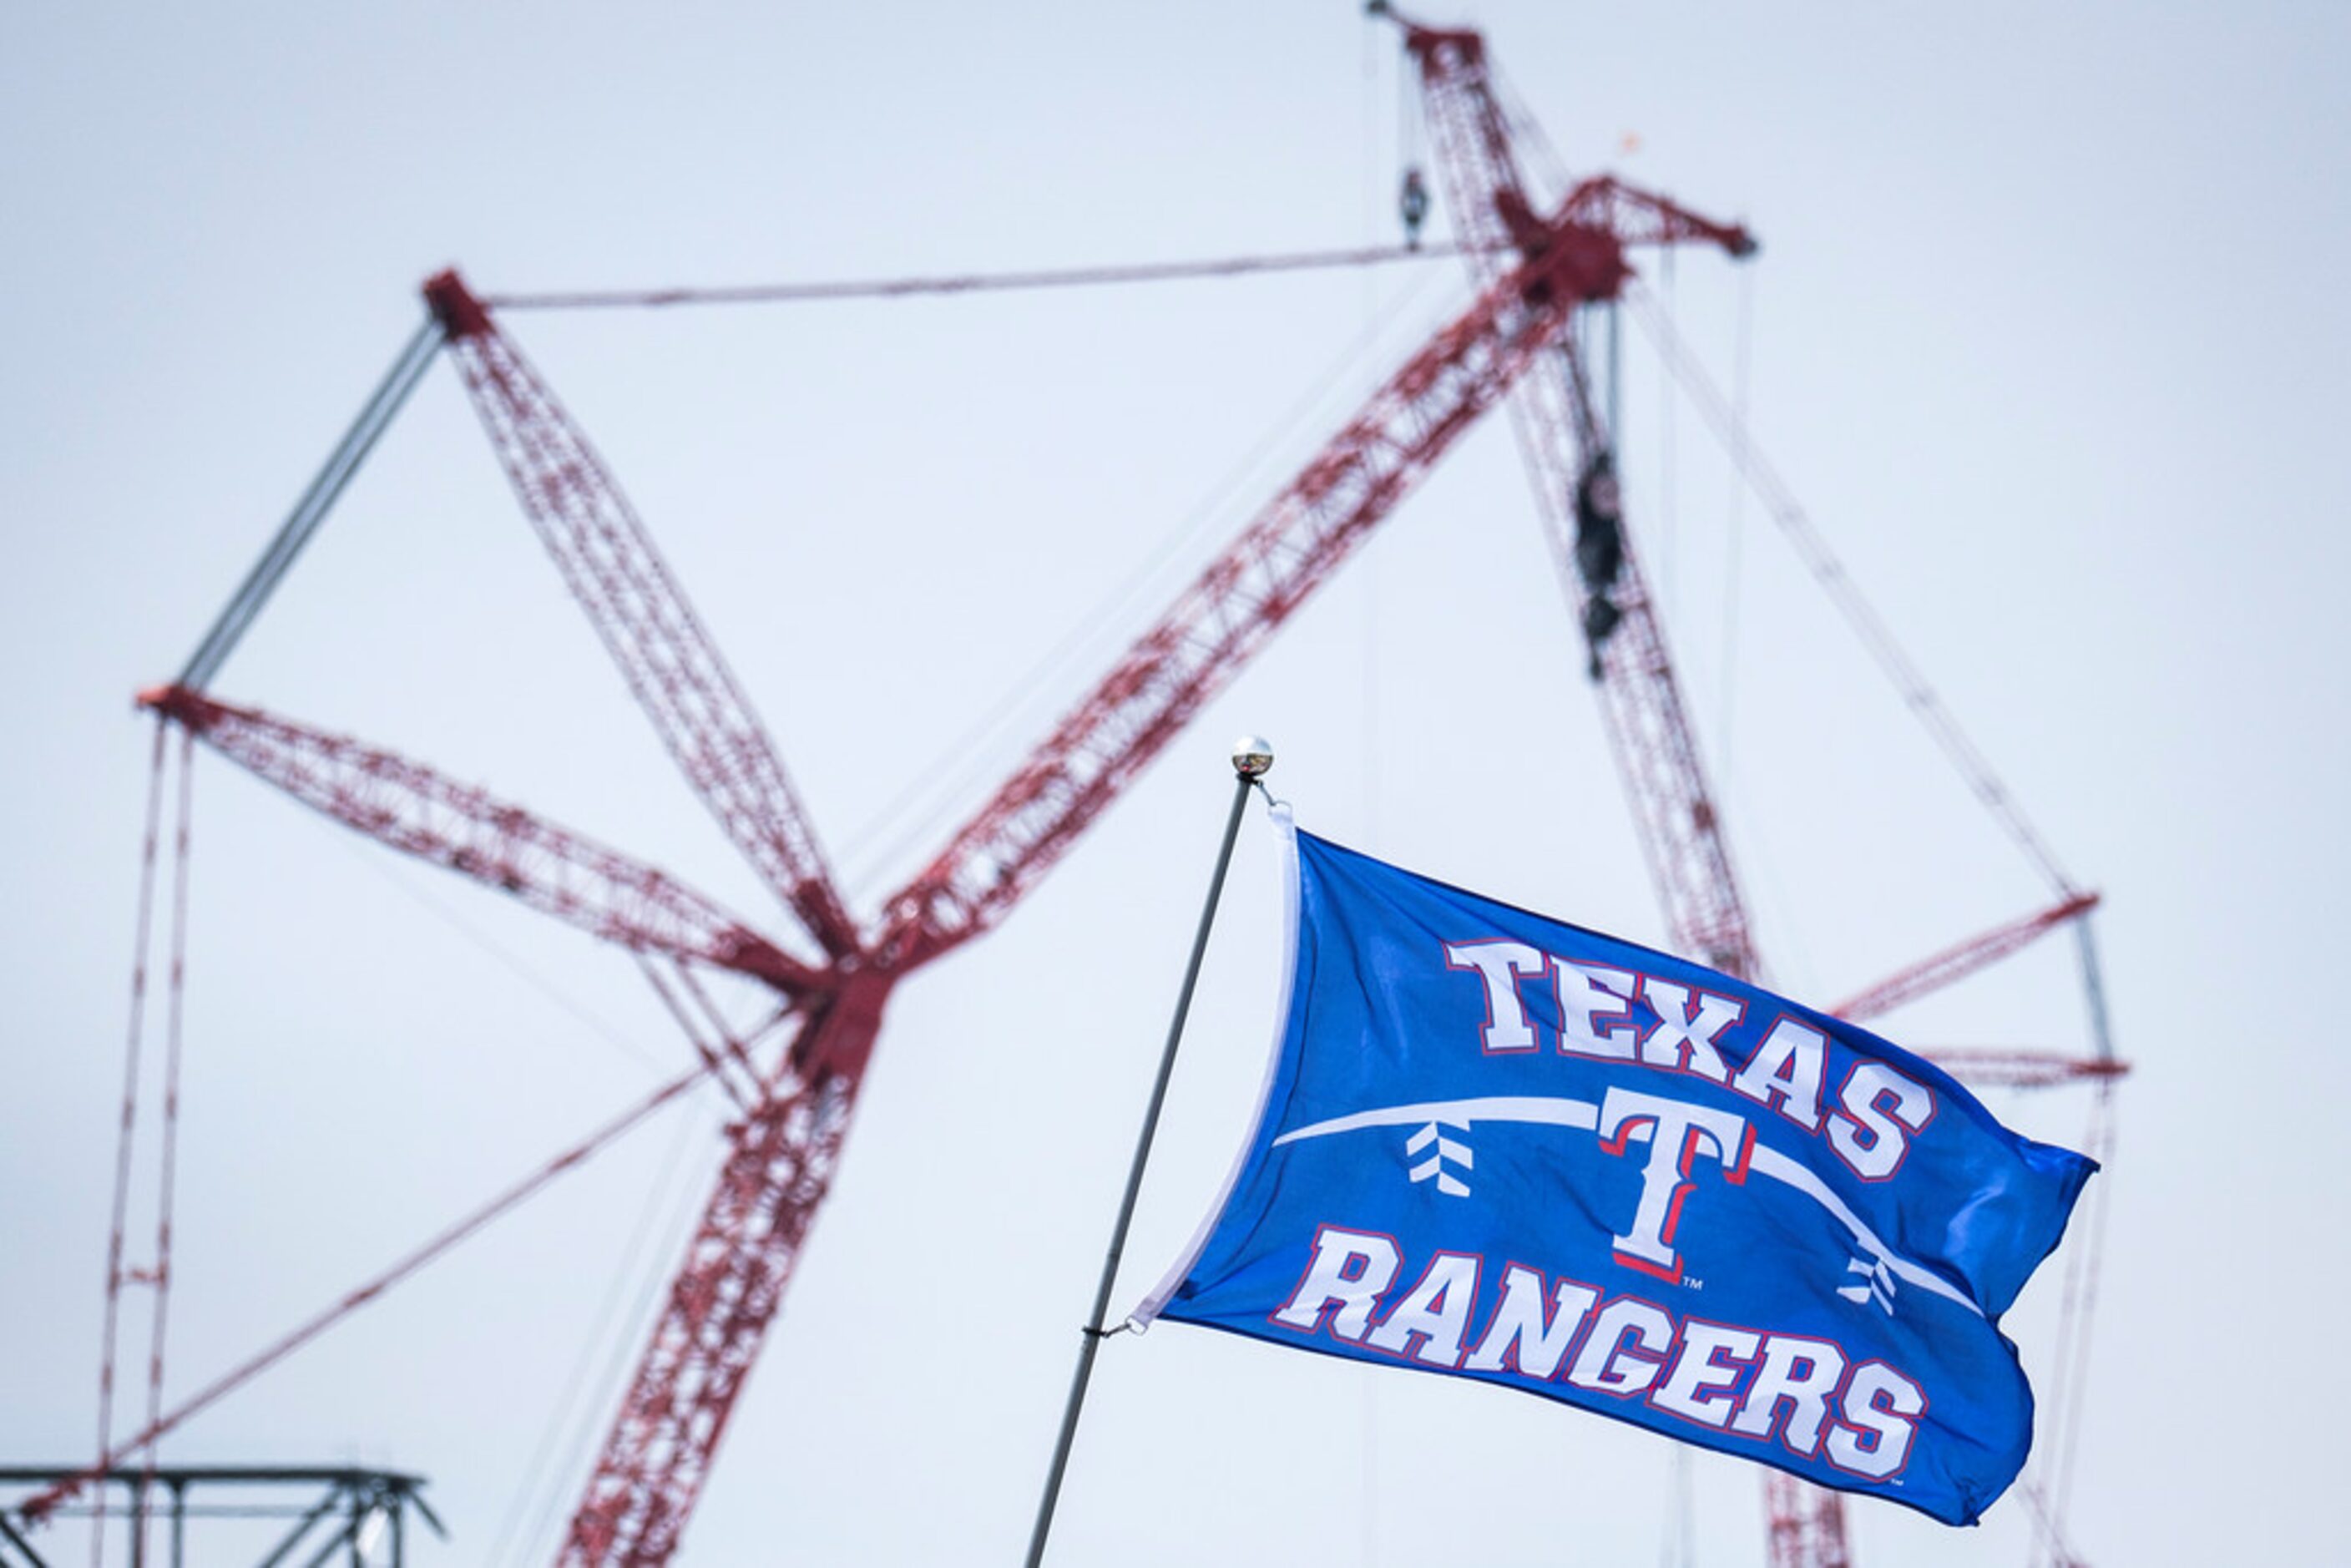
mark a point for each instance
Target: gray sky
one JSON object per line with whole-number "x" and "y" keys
{"x": 2047, "y": 330}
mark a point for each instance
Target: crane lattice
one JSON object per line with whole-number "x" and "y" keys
{"x": 1539, "y": 261}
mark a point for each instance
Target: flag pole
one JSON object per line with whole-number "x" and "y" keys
{"x": 1252, "y": 758}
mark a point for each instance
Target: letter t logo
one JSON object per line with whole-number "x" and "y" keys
{"x": 1678, "y": 1134}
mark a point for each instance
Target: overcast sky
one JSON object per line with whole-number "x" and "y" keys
{"x": 2048, "y": 330}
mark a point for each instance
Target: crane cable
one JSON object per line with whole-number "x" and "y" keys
{"x": 123, "y": 1134}
{"x": 2075, "y": 1314}
{"x": 1669, "y": 455}
{"x": 158, "y": 1275}
{"x": 174, "y": 1010}
{"x": 1826, "y": 569}
{"x": 970, "y": 760}
{"x": 1741, "y": 376}
{"x": 2079, "y": 1298}
{"x": 655, "y": 1219}
{"x": 552, "y": 1519}
{"x": 968, "y": 283}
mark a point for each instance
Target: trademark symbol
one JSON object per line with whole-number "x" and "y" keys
{"x": 1695, "y": 1284}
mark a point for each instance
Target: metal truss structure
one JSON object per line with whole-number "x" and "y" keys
{"x": 354, "y": 1512}
{"x": 1540, "y": 261}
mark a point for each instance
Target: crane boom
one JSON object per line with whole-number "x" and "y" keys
{"x": 1958, "y": 962}
{"x": 780, "y": 1165}
{"x": 467, "y": 829}
{"x": 1227, "y": 614}
{"x": 2007, "y": 1066}
{"x": 666, "y": 655}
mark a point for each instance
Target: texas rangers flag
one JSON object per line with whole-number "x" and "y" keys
{"x": 1501, "y": 1148}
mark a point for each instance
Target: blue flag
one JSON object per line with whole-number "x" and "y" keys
{"x": 1497, "y": 1147}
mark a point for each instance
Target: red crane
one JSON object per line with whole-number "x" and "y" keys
{"x": 831, "y": 974}
{"x": 1538, "y": 266}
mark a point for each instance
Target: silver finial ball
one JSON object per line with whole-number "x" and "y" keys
{"x": 1252, "y": 757}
